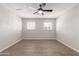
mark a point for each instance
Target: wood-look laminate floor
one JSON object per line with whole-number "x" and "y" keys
{"x": 39, "y": 48}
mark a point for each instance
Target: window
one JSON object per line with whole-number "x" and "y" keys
{"x": 30, "y": 25}
{"x": 47, "y": 25}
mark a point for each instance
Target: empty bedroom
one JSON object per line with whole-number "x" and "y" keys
{"x": 39, "y": 29}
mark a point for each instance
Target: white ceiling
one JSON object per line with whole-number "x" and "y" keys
{"x": 26, "y": 12}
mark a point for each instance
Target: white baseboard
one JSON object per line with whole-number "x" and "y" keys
{"x": 39, "y": 39}
{"x": 10, "y": 45}
{"x": 68, "y": 46}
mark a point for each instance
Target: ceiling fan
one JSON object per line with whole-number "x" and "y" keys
{"x": 41, "y": 9}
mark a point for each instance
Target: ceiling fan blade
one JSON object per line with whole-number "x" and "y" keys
{"x": 32, "y": 8}
{"x": 43, "y": 4}
{"x": 47, "y": 10}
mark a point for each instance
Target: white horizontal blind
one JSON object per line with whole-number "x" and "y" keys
{"x": 41, "y": 28}
{"x": 31, "y": 25}
{"x": 47, "y": 26}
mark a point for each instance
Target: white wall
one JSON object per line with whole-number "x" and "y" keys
{"x": 67, "y": 27}
{"x": 10, "y": 28}
{"x": 39, "y": 33}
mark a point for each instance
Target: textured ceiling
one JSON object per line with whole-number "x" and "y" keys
{"x": 24, "y": 9}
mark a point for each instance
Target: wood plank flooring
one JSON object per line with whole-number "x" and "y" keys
{"x": 39, "y": 48}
